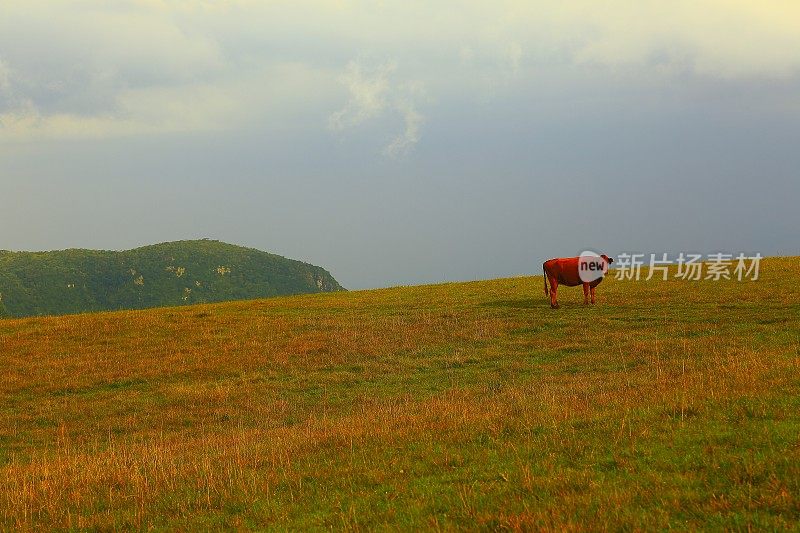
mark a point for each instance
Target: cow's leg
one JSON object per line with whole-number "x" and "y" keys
{"x": 592, "y": 294}
{"x": 554, "y": 293}
{"x": 585, "y": 294}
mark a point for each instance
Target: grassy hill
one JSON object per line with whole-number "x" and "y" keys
{"x": 473, "y": 405}
{"x": 169, "y": 274}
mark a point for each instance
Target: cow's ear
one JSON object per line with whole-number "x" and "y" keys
{"x": 610, "y": 260}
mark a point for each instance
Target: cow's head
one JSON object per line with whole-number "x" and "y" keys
{"x": 609, "y": 260}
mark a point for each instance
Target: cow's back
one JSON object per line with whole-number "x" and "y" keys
{"x": 564, "y": 270}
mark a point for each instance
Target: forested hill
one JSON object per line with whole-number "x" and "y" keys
{"x": 168, "y": 274}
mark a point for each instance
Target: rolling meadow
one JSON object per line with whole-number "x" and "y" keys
{"x": 669, "y": 404}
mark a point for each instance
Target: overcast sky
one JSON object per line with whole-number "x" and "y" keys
{"x": 399, "y": 142}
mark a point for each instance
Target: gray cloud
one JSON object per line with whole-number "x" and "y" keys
{"x": 5, "y": 77}
{"x": 86, "y": 69}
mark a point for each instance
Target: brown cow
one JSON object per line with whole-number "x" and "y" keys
{"x": 564, "y": 271}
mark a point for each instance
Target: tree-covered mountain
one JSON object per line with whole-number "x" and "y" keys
{"x": 168, "y": 274}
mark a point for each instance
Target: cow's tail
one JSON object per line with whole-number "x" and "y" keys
{"x": 544, "y": 276}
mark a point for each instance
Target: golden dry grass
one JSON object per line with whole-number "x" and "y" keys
{"x": 473, "y": 405}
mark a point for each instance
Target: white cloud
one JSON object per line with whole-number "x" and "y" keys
{"x": 413, "y": 121}
{"x": 371, "y": 93}
{"x": 368, "y": 90}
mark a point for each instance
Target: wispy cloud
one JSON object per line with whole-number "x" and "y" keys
{"x": 369, "y": 90}
{"x": 412, "y": 120}
{"x": 374, "y": 93}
